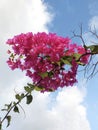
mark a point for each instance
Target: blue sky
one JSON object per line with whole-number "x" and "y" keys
{"x": 70, "y": 108}
{"x": 68, "y": 15}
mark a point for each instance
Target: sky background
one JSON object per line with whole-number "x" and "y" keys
{"x": 72, "y": 108}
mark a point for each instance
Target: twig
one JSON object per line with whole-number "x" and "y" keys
{"x": 15, "y": 104}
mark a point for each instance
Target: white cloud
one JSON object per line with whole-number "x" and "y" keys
{"x": 92, "y": 26}
{"x": 93, "y": 23}
{"x": 66, "y": 113}
{"x": 22, "y": 16}
{"x": 17, "y": 16}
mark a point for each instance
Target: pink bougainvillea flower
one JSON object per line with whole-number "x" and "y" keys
{"x": 45, "y": 58}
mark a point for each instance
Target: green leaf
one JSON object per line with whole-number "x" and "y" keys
{"x": 66, "y": 61}
{"x": 8, "y": 106}
{"x": 16, "y": 109}
{"x": 43, "y": 75}
{"x": 30, "y": 85}
{"x": 77, "y": 56}
{"x": 0, "y": 126}
{"x": 27, "y": 89}
{"x": 21, "y": 56}
{"x": 58, "y": 63}
{"x": 93, "y": 48}
{"x": 12, "y": 56}
{"x": 90, "y": 47}
{"x": 4, "y": 109}
{"x": 22, "y": 95}
{"x": 39, "y": 88}
{"x": 51, "y": 90}
{"x": 18, "y": 97}
{"x": 80, "y": 63}
{"x": 8, "y": 120}
{"x": 29, "y": 99}
{"x": 50, "y": 74}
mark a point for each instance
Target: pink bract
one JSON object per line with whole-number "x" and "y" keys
{"x": 43, "y": 57}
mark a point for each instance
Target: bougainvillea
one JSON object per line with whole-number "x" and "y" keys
{"x": 51, "y": 61}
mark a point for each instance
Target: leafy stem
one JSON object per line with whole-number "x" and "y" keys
{"x": 14, "y": 105}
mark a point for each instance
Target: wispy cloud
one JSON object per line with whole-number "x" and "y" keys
{"x": 93, "y": 10}
{"x": 93, "y": 23}
{"x": 89, "y": 38}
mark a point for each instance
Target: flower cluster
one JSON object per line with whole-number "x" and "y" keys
{"x": 49, "y": 60}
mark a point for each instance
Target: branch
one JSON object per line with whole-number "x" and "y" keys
{"x": 80, "y": 35}
{"x": 93, "y": 51}
{"x": 94, "y": 32}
